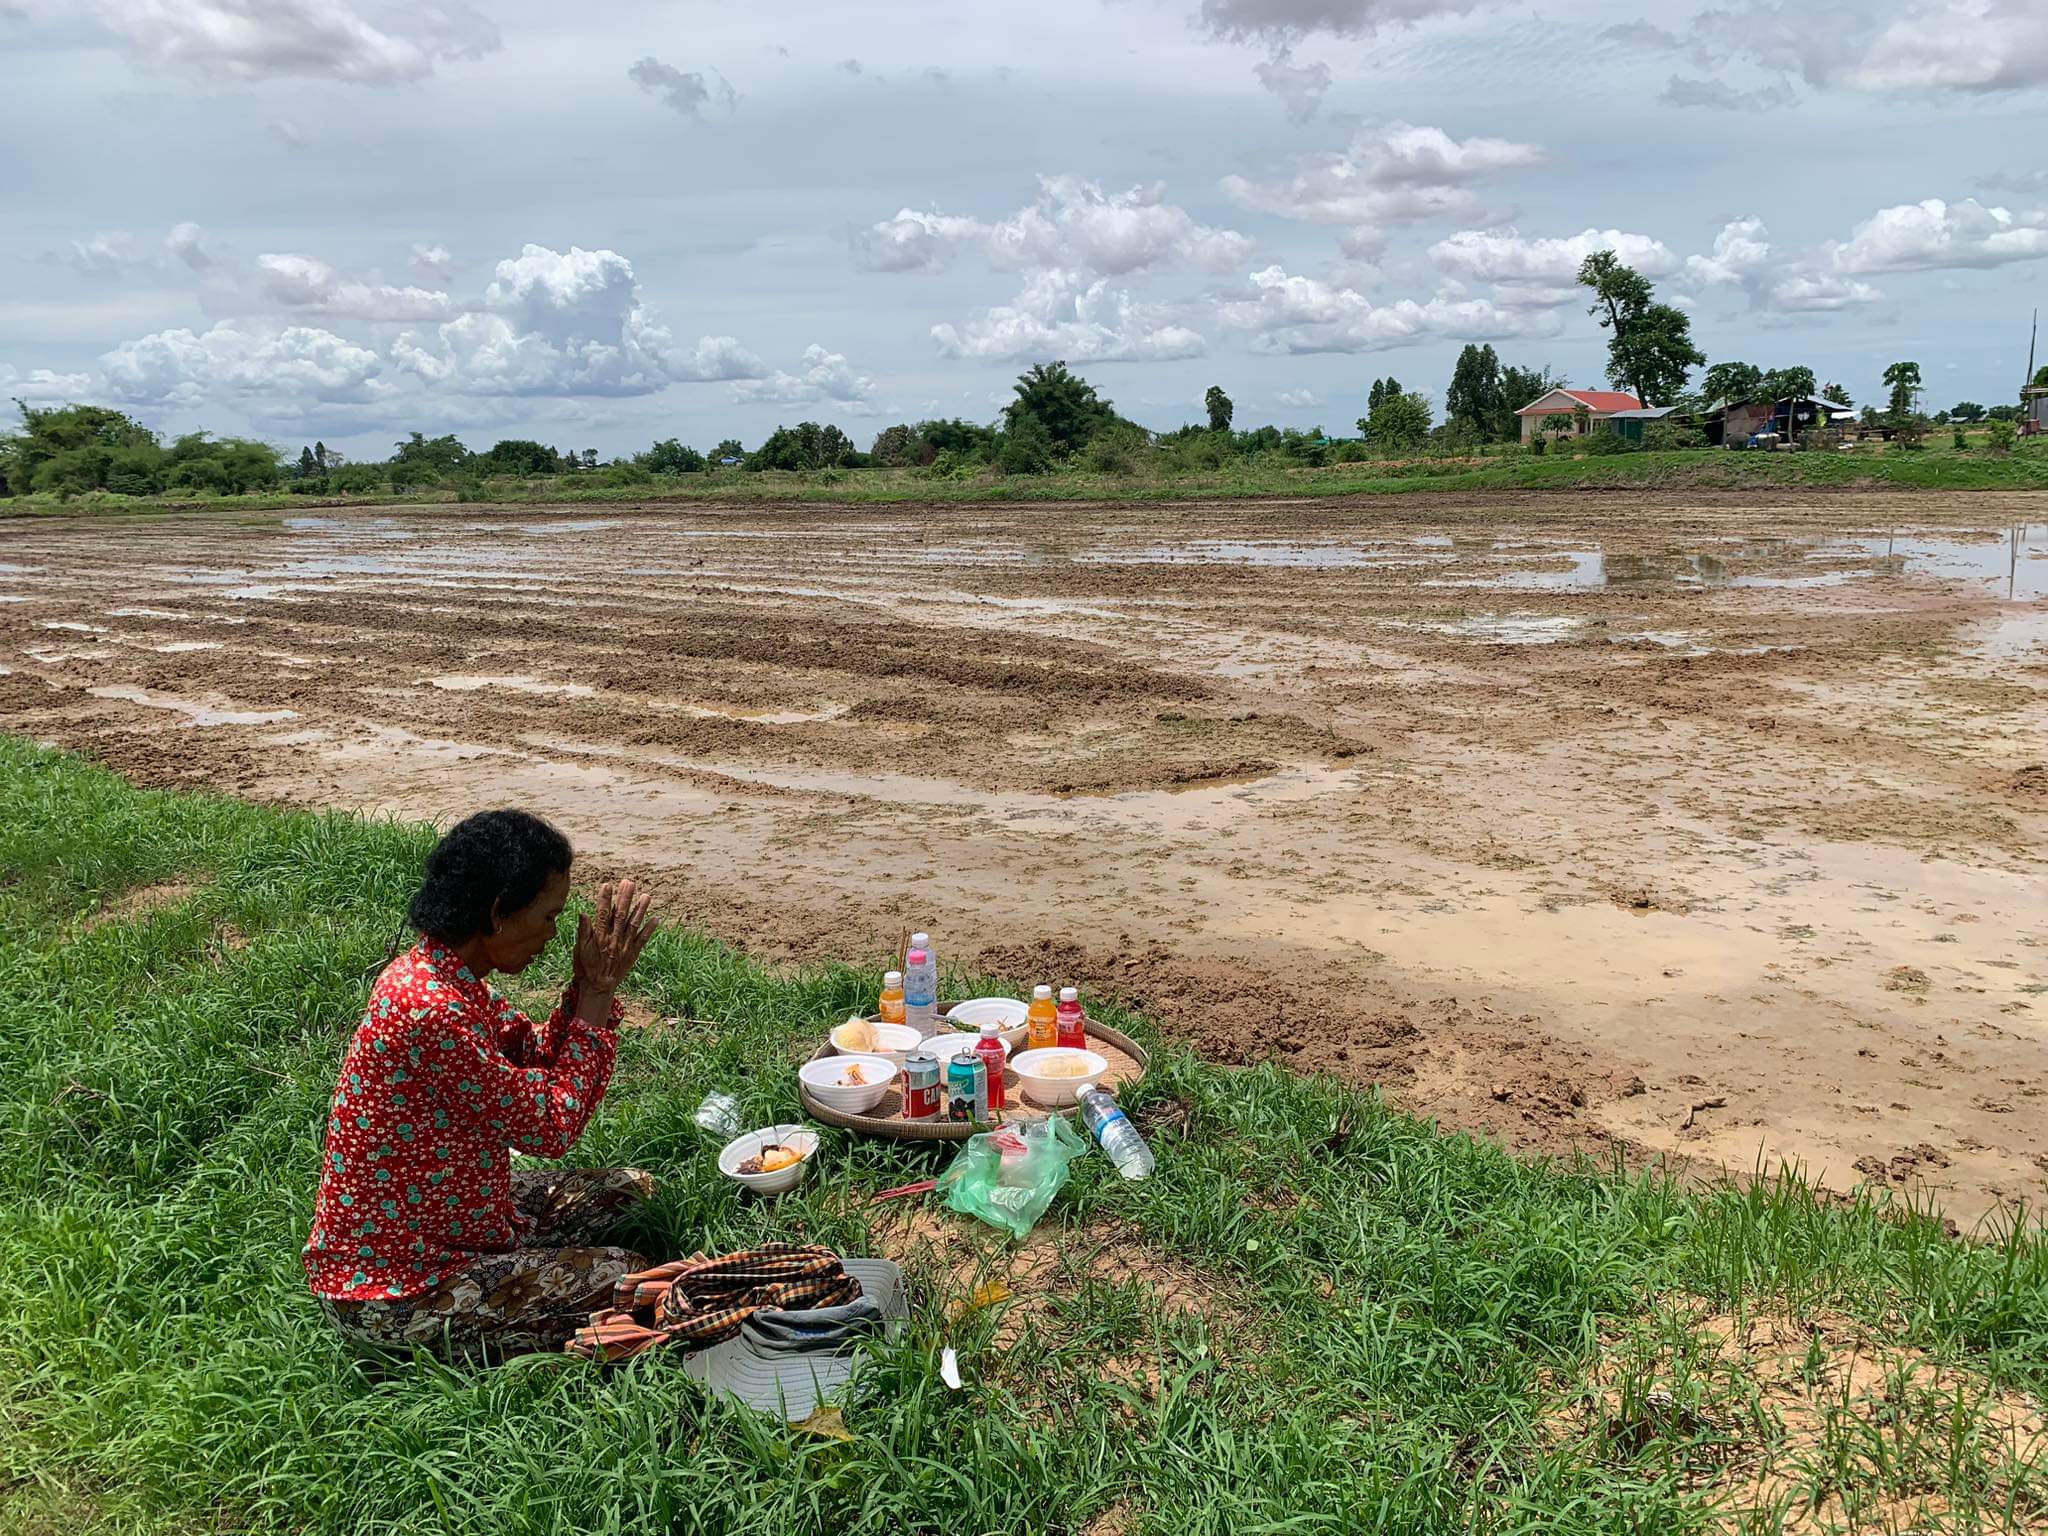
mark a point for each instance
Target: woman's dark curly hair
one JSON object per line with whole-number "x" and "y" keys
{"x": 494, "y": 860}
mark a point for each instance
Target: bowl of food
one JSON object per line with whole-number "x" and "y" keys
{"x": 1007, "y": 1012}
{"x": 770, "y": 1160}
{"x": 1054, "y": 1075}
{"x": 853, "y": 1085}
{"x": 866, "y": 1037}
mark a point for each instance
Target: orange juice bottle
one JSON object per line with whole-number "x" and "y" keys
{"x": 1041, "y": 1021}
{"x": 892, "y": 997}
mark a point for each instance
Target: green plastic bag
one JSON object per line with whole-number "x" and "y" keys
{"x": 1008, "y": 1176}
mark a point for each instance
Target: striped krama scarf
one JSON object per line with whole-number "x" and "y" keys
{"x": 701, "y": 1300}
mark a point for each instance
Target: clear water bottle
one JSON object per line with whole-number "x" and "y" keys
{"x": 921, "y": 987}
{"x": 1120, "y": 1140}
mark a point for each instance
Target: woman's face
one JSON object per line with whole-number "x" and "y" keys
{"x": 520, "y": 936}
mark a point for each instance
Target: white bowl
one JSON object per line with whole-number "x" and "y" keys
{"x": 1056, "y": 1092}
{"x": 977, "y": 1011}
{"x": 740, "y": 1148}
{"x": 894, "y": 1041}
{"x": 946, "y": 1047}
{"x": 823, "y": 1078}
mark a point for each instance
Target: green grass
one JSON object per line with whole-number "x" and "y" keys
{"x": 1501, "y": 469}
{"x": 1391, "y": 1316}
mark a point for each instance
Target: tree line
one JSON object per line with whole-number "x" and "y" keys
{"x": 1056, "y": 419}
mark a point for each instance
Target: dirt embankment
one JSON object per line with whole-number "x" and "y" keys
{"x": 1608, "y": 821}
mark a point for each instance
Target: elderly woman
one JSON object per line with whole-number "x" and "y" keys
{"x": 423, "y": 1233}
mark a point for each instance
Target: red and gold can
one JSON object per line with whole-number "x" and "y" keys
{"x": 920, "y": 1086}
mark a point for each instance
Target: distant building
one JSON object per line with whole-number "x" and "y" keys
{"x": 1597, "y": 404}
{"x": 1630, "y": 424}
{"x": 2033, "y": 411}
{"x": 1736, "y": 422}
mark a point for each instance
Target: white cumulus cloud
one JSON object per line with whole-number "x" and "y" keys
{"x": 233, "y": 361}
{"x": 431, "y": 261}
{"x": 1062, "y": 314}
{"x": 565, "y": 323}
{"x": 1507, "y": 256}
{"x": 1882, "y": 47}
{"x": 305, "y": 282}
{"x": 1073, "y": 223}
{"x": 1394, "y": 174}
{"x": 825, "y": 375}
{"x": 1290, "y": 313}
{"x": 42, "y": 386}
{"x": 1934, "y": 234}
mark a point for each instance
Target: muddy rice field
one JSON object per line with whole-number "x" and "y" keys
{"x": 1691, "y": 828}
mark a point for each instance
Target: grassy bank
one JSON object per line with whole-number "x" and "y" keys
{"x": 1320, "y": 1316}
{"x": 1934, "y": 469}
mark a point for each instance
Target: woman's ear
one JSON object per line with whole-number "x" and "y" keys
{"x": 497, "y": 917}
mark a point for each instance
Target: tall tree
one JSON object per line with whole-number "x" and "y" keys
{"x": 1474, "y": 404}
{"x": 1522, "y": 386}
{"x": 1835, "y": 394}
{"x": 1790, "y": 383}
{"x": 1966, "y": 410}
{"x": 1220, "y": 410}
{"x": 1399, "y": 421}
{"x": 670, "y": 456}
{"x": 1380, "y": 391}
{"x": 1733, "y": 382}
{"x": 1650, "y": 350}
{"x": 892, "y": 447}
{"x": 1903, "y": 379}
{"x": 1064, "y": 403}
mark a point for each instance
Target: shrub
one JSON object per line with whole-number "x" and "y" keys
{"x": 1669, "y": 436}
{"x": 1603, "y": 441}
{"x": 1961, "y": 439}
{"x": 1999, "y": 439}
{"x": 1116, "y": 450}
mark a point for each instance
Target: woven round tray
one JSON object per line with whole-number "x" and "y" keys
{"x": 1127, "y": 1062}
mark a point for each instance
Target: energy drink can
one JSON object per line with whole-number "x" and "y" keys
{"x": 967, "y": 1090}
{"x": 920, "y": 1086}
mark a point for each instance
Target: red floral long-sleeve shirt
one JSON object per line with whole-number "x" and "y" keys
{"x": 443, "y": 1078}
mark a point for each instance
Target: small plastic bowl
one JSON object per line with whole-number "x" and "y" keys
{"x": 977, "y": 1011}
{"x": 894, "y": 1041}
{"x": 824, "y": 1077}
{"x": 1056, "y": 1092}
{"x": 740, "y": 1148}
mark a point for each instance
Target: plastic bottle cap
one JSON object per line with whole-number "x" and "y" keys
{"x": 892, "y": 978}
{"x": 917, "y": 957}
{"x": 1070, "y": 995}
{"x": 921, "y": 941}
{"x": 1041, "y": 994}
{"x": 991, "y": 1030}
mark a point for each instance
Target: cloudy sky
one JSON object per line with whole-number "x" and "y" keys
{"x": 603, "y": 223}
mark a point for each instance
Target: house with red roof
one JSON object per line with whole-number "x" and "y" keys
{"x": 1597, "y": 404}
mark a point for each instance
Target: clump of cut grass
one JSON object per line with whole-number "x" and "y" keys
{"x": 1319, "y": 1316}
